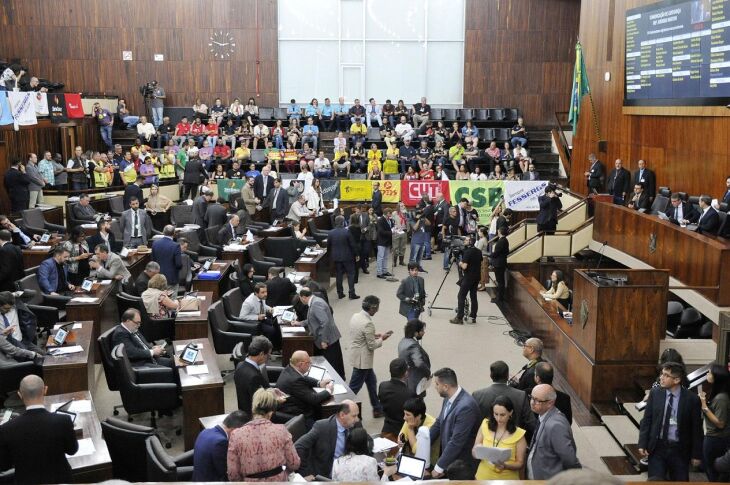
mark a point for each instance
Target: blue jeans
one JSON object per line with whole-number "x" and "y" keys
{"x": 106, "y": 135}
{"x": 212, "y": 140}
{"x": 667, "y": 462}
{"x": 131, "y": 121}
{"x": 312, "y": 140}
{"x": 417, "y": 250}
{"x": 404, "y": 164}
{"x": 383, "y": 254}
{"x": 157, "y": 116}
{"x": 278, "y": 142}
{"x": 427, "y": 254}
{"x": 367, "y": 377}
{"x": 413, "y": 313}
{"x": 516, "y": 139}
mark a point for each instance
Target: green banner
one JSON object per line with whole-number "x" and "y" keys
{"x": 228, "y": 187}
{"x": 484, "y": 196}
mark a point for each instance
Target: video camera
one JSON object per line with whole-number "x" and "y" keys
{"x": 553, "y": 188}
{"x": 455, "y": 245}
{"x": 147, "y": 89}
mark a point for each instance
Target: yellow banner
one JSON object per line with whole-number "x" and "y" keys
{"x": 390, "y": 190}
{"x": 356, "y": 190}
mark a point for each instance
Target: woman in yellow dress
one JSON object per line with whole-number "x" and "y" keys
{"x": 499, "y": 431}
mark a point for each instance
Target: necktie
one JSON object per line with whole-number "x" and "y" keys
{"x": 667, "y": 417}
{"x": 447, "y": 408}
{"x": 135, "y": 222}
{"x": 140, "y": 340}
{"x": 641, "y": 174}
{"x": 5, "y": 321}
{"x": 276, "y": 192}
{"x": 676, "y": 213}
{"x": 261, "y": 307}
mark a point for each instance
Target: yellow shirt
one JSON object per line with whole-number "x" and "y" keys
{"x": 393, "y": 153}
{"x": 242, "y": 153}
{"x": 374, "y": 155}
{"x": 486, "y": 470}
{"x": 435, "y": 447}
{"x": 390, "y": 166}
{"x": 167, "y": 171}
{"x": 372, "y": 164}
{"x": 130, "y": 174}
{"x": 339, "y": 155}
{"x": 361, "y": 130}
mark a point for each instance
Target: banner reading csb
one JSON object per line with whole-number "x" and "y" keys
{"x": 484, "y": 196}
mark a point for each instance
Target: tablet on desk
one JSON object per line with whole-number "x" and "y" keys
{"x": 189, "y": 354}
{"x": 288, "y": 317}
{"x": 87, "y": 285}
{"x": 59, "y": 338}
{"x": 45, "y": 238}
{"x": 412, "y": 467}
{"x": 64, "y": 409}
{"x": 316, "y": 372}
{"x": 207, "y": 265}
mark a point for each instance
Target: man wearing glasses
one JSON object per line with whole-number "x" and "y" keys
{"x": 140, "y": 352}
{"x": 552, "y": 449}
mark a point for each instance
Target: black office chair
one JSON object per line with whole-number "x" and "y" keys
{"x": 232, "y": 301}
{"x": 161, "y": 467}
{"x": 511, "y": 114}
{"x": 104, "y": 347}
{"x": 665, "y": 191}
{"x": 319, "y": 235}
{"x": 48, "y": 309}
{"x": 286, "y": 248}
{"x": 297, "y": 427}
{"x": 690, "y": 324}
{"x": 487, "y": 134}
{"x": 674, "y": 316}
{"x": 34, "y": 222}
{"x": 451, "y": 114}
{"x": 12, "y": 373}
{"x": 181, "y": 214}
{"x": 466, "y": 114}
{"x": 260, "y": 262}
{"x": 225, "y": 336}
{"x": 126, "y": 444}
{"x": 116, "y": 205}
{"x": 211, "y": 234}
{"x": 660, "y": 204}
{"x": 481, "y": 114}
{"x": 503, "y": 134}
{"x": 196, "y": 246}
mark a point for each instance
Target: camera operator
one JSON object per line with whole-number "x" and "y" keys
{"x": 449, "y": 229}
{"x": 498, "y": 261}
{"x": 471, "y": 265}
{"x": 547, "y": 218}
{"x": 411, "y": 293}
{"x": 157, "y": 103}
{"x": 421, "y": 227}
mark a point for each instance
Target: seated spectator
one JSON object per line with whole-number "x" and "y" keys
{"x": 53, "y": 274}
{"x": 156, "y": 299}
{"x": 106, "y": 265}
{"x": 456, "y": 155}
{"x": 505, "y": 154}
{"x": 124, "y": 116}
{"x": 211, "y": 130}
{"x": 377, "y": 174}
{"x": 407, "y": 156}
{"x": 358, "y": 131}
{"x": 235, "y": 111}
{"x": 511, "y": 174}
{"x": 358, "y": 464}
{"x": 218, "y": 111}
{"x": 299, "y": 209}
{"x": 278, "y": 134}
{"x": 440, "y": 132}
{"x": 327, "y": 116}
{"x": 423, "y": 155}
{"x": 403, "y": 130}
{"x": 307, "y": 156}
{"x": 312, "y": 111}
{"x": 341, "y": 162}
{"x": 455, "y": 134}
{"x": 182, "y": 130}
{"x": 357, "y": 155}
{"x": 426, "y": 134}
{"x": 519, "y": 151}
{"x": 410, "y": 174}
{"x": 392, "y": 154}
{"x": 245, "y": 134}
{"x": 639, "y": 199}
{"x": 426, "y": 174}
{"x": 147, "y": 170}
{"x": 164, "y": 133}
{"x": 558, "y": 290}
{"x": 83, "y": 211}
{"x": 272, "y": 155}
{"x": 229, "y": 133}
{"x": 469, "y": 133}
{"x": 532, "y": 173}
{"x": 242, "y": 154}
{"x": 388, "y": 114}
{"x": 218, "y": 173}
{"x": 197, "y": 132}
{"x": 260, "y": 132}
{"x": 356, "y": 111}
{"x": 440, "y": 154}
{"x": 251, "y": 112}
{"x": 401, "y": 110}
{"x": 497, "y": 173}
{"x": 462, "y": 173}
{"x": 471, "y": 154}
{"x": 200, "y": 109}
{"x": 290, "y": 157}
{"x": 477, "y": 174}
{"x": 373, "y": 114}
{"x": 340, "y": 141}
{"x": 414, "y": 432}
{"x": 342, "y": 115}
{"x": 709, "y": 221}
{"x": 374, "y": 157}
{"x": 440, "y": 173}
{"x": 221, "y": 151}
{"x": 389, "y": 138}
{"x": 206, "y": 155}
{"x": 493, "y": 152}
{"x": 519, "y": 133}
{"x": 294, "y": 132}
{"x": 293, "y": 111}
{"x": 680, "y": 212}
{"x": 235, "y": 171}
{"x": 310, "y": 133}
{"x": 146, "y": 130}
{"x": 322, "y": 166}
{"x": 303, "y": 399}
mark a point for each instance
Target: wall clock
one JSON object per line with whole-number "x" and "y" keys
{"x": 221, "y": 45}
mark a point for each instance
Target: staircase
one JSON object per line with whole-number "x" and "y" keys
{"x": 540, "y": 148}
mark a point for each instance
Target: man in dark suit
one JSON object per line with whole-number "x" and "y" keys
{"x": 228, "y": 230}
{"x": 200, "y": 207}
{"x": 392, "y": 395}
{"x": 167, "y": 253}
{"x": 544, "y": 375}
{"x": 300, "y": 388}
{"x": 83, "y": 210}
{"x": 525, "y": 379}
{"x": 277, "y": 201}
{"x": 210, "y": 458}
{"x": 16, "y": 185}
{"x": 365, "y": 222}
{"x": 619, "y": 183}
{"x": 36, "y": 443}
{"x": 647, "y": 177}
{"x": 671, "y": 430}
{"x": 263, "y": 184}
{"x": 377, "y": 202}
{"x": 342, "y": 250}
{"x": 133, "y": 190}
{"x": 504, "y": 220}
{"x": 143, "y": 280}
{"x": 457, "y": 423}
{"x": 251, "y": 376}
{"x": 419, "y": 363}
{"x": 194, "y": 174}
{"x": 280, "y": 290}
{"x": 325, "y": 442}
{"x": 411, "y": 293}
{"x": 547, "y": 218}
{"x": 498, "y": 261}
{"x": 11, "y": 262}
{"x": 640, "y": 199}
{"x": 384, "y": 242}
{"x": 140, "y": 352}
{"x": 709, "y": 220}
{"x": 595, "y": 174}
{"x": 215, "y": 214}
{"x": 680, "y": 212}
{"x": 726, "y": 195}
{"x": 19, "y": 238}
{"x": 103, "y": 235}
{"x": 523, "y": 415}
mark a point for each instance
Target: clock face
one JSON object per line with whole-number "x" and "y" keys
{"x": 221, "y": 45}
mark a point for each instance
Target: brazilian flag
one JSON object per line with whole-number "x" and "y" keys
{"x": 580, "y": 87}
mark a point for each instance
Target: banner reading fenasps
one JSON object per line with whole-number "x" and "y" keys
{"x": 522, "y": 196}
{"x": 390, "y": 190}
{"x": 228, "y": 187}
{"x": 351, "y": 190}
{"x": 330, "y": 189}
{"x": 484, "y": 196}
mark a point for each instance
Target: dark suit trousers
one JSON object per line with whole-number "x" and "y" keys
{"x": 272, "y": 331}
{"x": 548, "y": 228}
{"x": 190, "y": 190}
{"x": 499, "y": 275}
{"x": 667, "y": 462}
{"x": 471, "y": 288}
{"x": 368, "y": 378}
{"x": 349, "y": 268}
{"x": 333, "y": 354}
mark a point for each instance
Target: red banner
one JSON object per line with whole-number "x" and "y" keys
{"x": 411, "y": 190}
{"x": 73, "y": 105}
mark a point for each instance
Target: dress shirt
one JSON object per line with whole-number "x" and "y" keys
{"x": 704, "y": 211}
{"x": 252, "y": 363}
{"x": 341, "y": 109}
{"x": 341, "y": 437}
{"x": 35, "y": 406}
{"x": 327, "y": 110}
{"x": 672, "y": 432}
{"x": 541, "y": 419}
{"x": 10, "y": 319}
{"x": 678, "y": 213}
{"x": 26, "y": 239}
{"x": 136, "y": 229}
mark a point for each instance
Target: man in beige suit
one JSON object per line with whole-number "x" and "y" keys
{"x": 364, "y": 341}
{"x": 249, "y": 198}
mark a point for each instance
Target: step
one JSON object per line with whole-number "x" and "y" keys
{"x": 634, "y": 414}
{"x": 622, "y": 428}
{"x": 620, "y": 465}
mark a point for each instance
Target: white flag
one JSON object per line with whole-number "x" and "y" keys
{"x": 23, "y": 108}
{"x": 41, "y": 104}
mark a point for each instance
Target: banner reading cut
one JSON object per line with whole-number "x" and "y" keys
{"x": 74, "y": 109}
{"x": 484, "y": 196}
{"x": 391, "y": 190}
{"x": 411, "y": 190}
{"x": 351, "y": 190}
{"x": 57, "y": 108}
{"x": 228, "y": 187}
{"x": 523, "y": 196}
{"x": 23, "y": 108}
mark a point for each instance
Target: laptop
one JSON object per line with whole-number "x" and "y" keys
{"x": 412, "y": 467}
{"x": 288, "y": 317}
{"x": 316, "y": 372}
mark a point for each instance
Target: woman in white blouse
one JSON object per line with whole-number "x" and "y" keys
{"x": 313, "y": 194}
{"x": 357, "y": 464}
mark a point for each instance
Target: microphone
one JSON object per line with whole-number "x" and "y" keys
{"x": 600, "y": 253}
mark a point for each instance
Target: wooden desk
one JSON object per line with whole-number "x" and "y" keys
{"x": 34, "y": 257}
{"x": 72, "y": 372}
{"x": 291, "y": 342}
{"x": 330, "y": 407}
{"x": 694, "y": 259}
{"x": 194, "y": 327}
{"x": 217, "y": 286}
{"x": 240, "y": 255}
{"x": 80, "y": 311}
{"x": 136, "y": 262}
{"x": 96, "y": 467}
{"x": 208, "y": 422}
{"x": 202, "y": 395}
{"x": 318, "y": 268}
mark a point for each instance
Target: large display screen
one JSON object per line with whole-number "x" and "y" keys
{"x": 678, "y": 54}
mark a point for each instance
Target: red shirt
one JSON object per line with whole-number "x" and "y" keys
{"x": 223, "y": 151}
{"x": 182, "y": 128}
{"x": 197, "y": 129}
{"x": 212, "y": 129}
{"x": 426, "y": 174}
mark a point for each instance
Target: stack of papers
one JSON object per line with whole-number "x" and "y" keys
{"x": 338, "y": 389}
{"x": 194, "y": 370}
{"x": 235, "y": 247}
{"x": 80, "y": 406}
{"x": 73, "y": 349}
{"x": 189, "y": 314}
{"x": 178, "y": 348}
{"x": 293, "y": 329}
{"x": 86, "y": 447}
{"x": 89, "y": 226}
{"x": 41, "y": 248}
{"x": 306, "y": 260}
{"x": 105, "y": 282}
{"x": 84, "y": 299}
{"x": 492, "y": 455}
{"x": 383, "y": 444}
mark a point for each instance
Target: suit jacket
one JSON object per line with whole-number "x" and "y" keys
{"x": 527, "y": 377}
{"x": 726, "y": 197}
{"x": 225, "y": 234}
{"x": 689, "y": 422}
{"x": 11, "y": 353}
{"x": 16, "y": 185}
{"x": 457, "y": 430}
{"x": 619, "y": 182}
{"x": 549, "y": 207}
{"x": 362, "y": 340}
{"x": 113, "y": 266}
{"x": 96, "y": 239}
{"x": 552, "y": 447}
{"x": 280, "y": 291}
{"x": 132, "y": 190}
{"x": 167, "y": 254}
{"x": 377, "y": 202}
{"x": 710, "y": 223}
{"x": 247, "y": 195}
{"x": 649, "y": 181}
{"x": 419, "y": 364}
{"x": 282, "y": 203}
{"x": 48, "y": 275}
{"x": 407, "y": 290}
{"x": 500, "y": 251}
{"x": 210, "y": 459}
{"x": 258, "y": 186}
{"x": 688, "y": 212}
{"x": 38, "y": 434}
{"x": 83, "y": 212}
{"x": 321, "y": 323}
{"x": 502, "y": 222}
{"x": 341, "y": 245}
{"x": 316, "y": 449}
{"x": 248, "y": 379}
{"x": 642, "y": 203}
{"x": 385, "y": 232}
{"x": 194, "y": 172}
{"x": 596, "y": 175}
{"x": 141, "y": 283}
{"x": 200, "y": 207}
{"x": 11, "y": 266}
{"x": 393, "y": 394}
{"x": 302, "y": 397}
{"x": 524, "y": 417}
{"x": 215, "y": 215}
{"x": 138, "y": 352}
{"x": 127, "y": 222}
{"x": 562, "y": 402}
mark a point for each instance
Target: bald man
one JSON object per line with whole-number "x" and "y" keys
{"x": 525, "y": 379}
{"x": 303, "y": 399}
{"x": 37, "y": 435}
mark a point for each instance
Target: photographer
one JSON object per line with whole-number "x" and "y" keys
{"x": 498, "y": 261}
{"x": 411, "y": 293}
{"x": 470, "y": 264}
{"x": 547, "y": 218}
{"x": 421, "y": 227}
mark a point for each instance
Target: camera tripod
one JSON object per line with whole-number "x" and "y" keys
{"x": 431, "y": 306}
